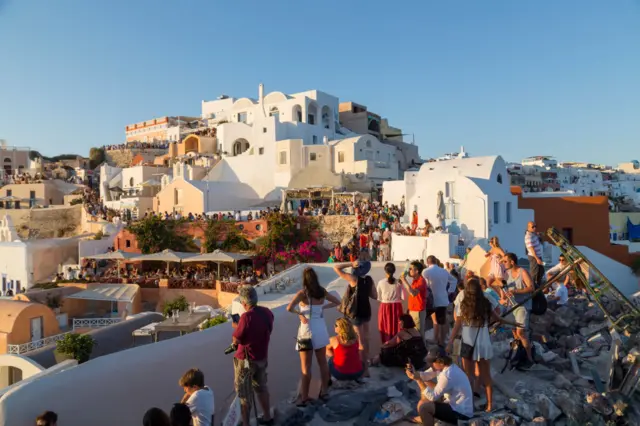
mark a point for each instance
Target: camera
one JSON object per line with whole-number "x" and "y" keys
{"x": 231, "y": 348}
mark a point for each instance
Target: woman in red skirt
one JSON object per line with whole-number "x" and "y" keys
{"x": 390, "y": 298}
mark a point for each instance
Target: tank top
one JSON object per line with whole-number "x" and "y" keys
{"x": 346, "y": 359}
{"x": 518, "y": 284}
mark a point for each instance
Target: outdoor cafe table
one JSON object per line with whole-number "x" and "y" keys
{"x": 186, "y": 323}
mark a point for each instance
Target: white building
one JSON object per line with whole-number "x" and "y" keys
{"x": 131, "y": 188}
{"x": 541, "y": 161}
{"x": 266, "y": 143}
{"x": 476, "y": 195}
{"x": 455, "y": 155}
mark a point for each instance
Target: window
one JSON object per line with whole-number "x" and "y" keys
{"x": 341, "y": 157}
{"x": 131, "y": 182}
{"x": 508, "y": 212}
{"x": 32, "y": 194}
{"x": 312, "y": 156}
{"x": 315, "y": 139}
{"x": 264, "y": 130}
{"x": 242, "y": 117}
{"x": 299, "y": 115}
{"x": 496, "y": 212}
{"x": 368, "y": 144}
{"x": 311, "y": 119}
{"x": 9, "y": 193}
{"x": 499, "y": 178}
{"x": 449, "y": 189}
{"x": 568, "y": 234}
{"x": 283, "y": 157}
{"x": 260, "y": 151}
{"x": 127, "y": 243}
{"x": 18, "y": 205}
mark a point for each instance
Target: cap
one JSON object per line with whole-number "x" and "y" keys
{"x": 363, "y": 268}
{"x": 434, "y": 353}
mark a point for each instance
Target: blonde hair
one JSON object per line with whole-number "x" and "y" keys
{"x": 495, "y": 241}
{"x": 345, "y": 330}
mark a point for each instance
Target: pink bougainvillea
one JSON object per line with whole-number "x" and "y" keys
{"x": 305, "y": 252}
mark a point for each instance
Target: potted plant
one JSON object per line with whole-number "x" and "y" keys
{"x": 74, "y": 346}
{"x": 180, "y": 304}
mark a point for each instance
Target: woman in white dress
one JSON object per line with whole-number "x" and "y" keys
{"x": 473, "y": 315}
{"x": 309, "y": 304}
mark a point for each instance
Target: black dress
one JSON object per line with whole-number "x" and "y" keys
{"x": 412, "y": 349}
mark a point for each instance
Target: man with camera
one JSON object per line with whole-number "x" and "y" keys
{"x": 251, "y": 337}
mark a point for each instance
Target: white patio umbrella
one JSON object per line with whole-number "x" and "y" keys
{"x": 167, "y": 255}
{"x": 441, "y": 210}
{"x": 117, "y": 255}
{"x": 219, "y": 257}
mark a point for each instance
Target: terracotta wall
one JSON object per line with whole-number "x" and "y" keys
{"x": 157, "y": 296}
{"x": 21, "y": 332}
{"x": 586, "y": 217}
{"x": 120, "y": 242}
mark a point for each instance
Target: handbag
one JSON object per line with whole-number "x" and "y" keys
{"x": 349, "y": 303}
{"x": 305, "y": 344}
{"x": 466, "y": 350}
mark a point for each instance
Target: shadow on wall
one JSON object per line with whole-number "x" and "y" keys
{"x": 150, "y": 376}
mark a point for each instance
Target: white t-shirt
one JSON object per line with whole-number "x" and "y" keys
{"x": 438, "y": 279}
{"x": 202, "y": 406}
{"x": 375, "y": 235}
{"x": 562, "y": 294}
{"x": 453, "y": 384}
{"x": 389, "y": 293}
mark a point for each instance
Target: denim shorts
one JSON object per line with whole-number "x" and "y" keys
{"x": 341, "y": 376}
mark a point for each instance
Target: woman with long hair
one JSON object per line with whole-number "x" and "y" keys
{"x": 309, "y": 304}
{"x": 473, "y": 316}
{"x": 407, "y": 344}
{"x": 345, "y": 361}
{"x": 497, "y": 272}
{"x": 390, "y": 294}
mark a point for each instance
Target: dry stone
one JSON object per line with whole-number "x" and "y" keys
{"x": 546, "y": 408}
{"x": 521, "y": 408}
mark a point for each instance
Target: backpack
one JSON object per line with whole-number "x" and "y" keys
{"x": 538, "y": 303}
{"x": 517, "y": 355}
{"x": 349, "y": 304}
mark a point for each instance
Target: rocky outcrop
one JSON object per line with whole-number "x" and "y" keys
{"x": 336, "y": 229}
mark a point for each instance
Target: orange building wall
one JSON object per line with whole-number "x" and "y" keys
{"x": 21, "y": 332}
{"x": 588, "y": 217}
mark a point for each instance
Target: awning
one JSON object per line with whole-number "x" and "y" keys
{"x": 218, "y": 256}
{"x": 108, "y": 293}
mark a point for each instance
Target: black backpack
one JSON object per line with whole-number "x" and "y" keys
{"x": 517, "y": 355}
{"x": 538, "y": 302}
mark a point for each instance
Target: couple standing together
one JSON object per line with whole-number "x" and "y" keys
{"x": 342, "y": 356}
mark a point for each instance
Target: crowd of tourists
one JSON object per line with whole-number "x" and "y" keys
{"x": 137, "y": 145}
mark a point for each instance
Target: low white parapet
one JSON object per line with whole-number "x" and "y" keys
{"x": 32, "y": 346}
{"x": 94, "y": 322}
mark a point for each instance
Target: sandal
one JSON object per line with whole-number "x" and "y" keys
{"x": 415, "y": 420}
{"x": 324, "y": 397}
{"x": 303, "y": 403}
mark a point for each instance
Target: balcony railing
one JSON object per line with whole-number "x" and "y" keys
{"x": 32, "y": 346}
{"x": 94, "y": 322}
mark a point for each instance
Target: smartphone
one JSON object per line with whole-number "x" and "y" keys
{"x": 410, "y": 366}
{"x": 235, "y": 318}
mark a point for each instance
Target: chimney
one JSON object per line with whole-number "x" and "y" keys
{"x": 260, "y": 92}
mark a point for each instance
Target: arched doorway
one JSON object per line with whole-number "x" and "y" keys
{"x": 312, "y": 114}
{"x": 326, "y": 117}
{"x": 240, "y": 146}
{"x": 296, "y": 113}
{"x": 8, "y": 170}
{"x": 190, "y": 144}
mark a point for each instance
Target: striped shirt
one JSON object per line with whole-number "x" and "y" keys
{"x": 532, "y": 240}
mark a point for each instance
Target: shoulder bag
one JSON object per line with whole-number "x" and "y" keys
{"x": 349, "y": 303}
{"x": 305, "y": 344}
{"x": 466, "y": 350}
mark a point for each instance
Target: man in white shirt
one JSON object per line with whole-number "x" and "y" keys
{"x": 452, "y": 384}
{"x": 198, "y": 398}
{"x": 562, "y": 263}
{"x": 560, "y": 295}
{"x": 375, "y": 235}
{"x": 440, "y": 283}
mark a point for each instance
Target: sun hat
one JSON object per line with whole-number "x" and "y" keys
{"x": 363, "y": 268}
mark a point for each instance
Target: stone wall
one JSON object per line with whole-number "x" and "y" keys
{"x": 336, "y": 229}
{"x": 119, "y": 157}
{"x": 52, "y": 222}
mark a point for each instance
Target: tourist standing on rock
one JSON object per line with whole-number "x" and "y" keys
{"x": 533, "y": 242}
{"x": 309, "y": 305}
{"x": 497, "y": 268}
{"x": 252, "y": 335}
{"x": 360, "y": 290}
{"x": 473, "y": 315}
{"x": 390, "y": 297}
{"x": 519, "y": 287}
{"x": 417, "y": 290}
{"x": 439, "y": 283}
{"x": 451, "y": 383}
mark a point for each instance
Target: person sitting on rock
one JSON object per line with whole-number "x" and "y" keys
{"x": 343, "y": 352}
{"x": 407, "y": 344}
{"x": 451, "y": 385}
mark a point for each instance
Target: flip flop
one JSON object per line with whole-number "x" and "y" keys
{"x": 324, "y": 397}
{"x": 415, "y": 420}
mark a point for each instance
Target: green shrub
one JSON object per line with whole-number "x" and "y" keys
{"x": 75, "y": 201}
{"x": 180, "y": 303}
{"x": 45, "y": 286}
{"x": 219, "y": 319}
{"x": 76, "y": 346}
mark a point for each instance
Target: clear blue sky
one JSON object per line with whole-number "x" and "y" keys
{"x": 507, "y": 77}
